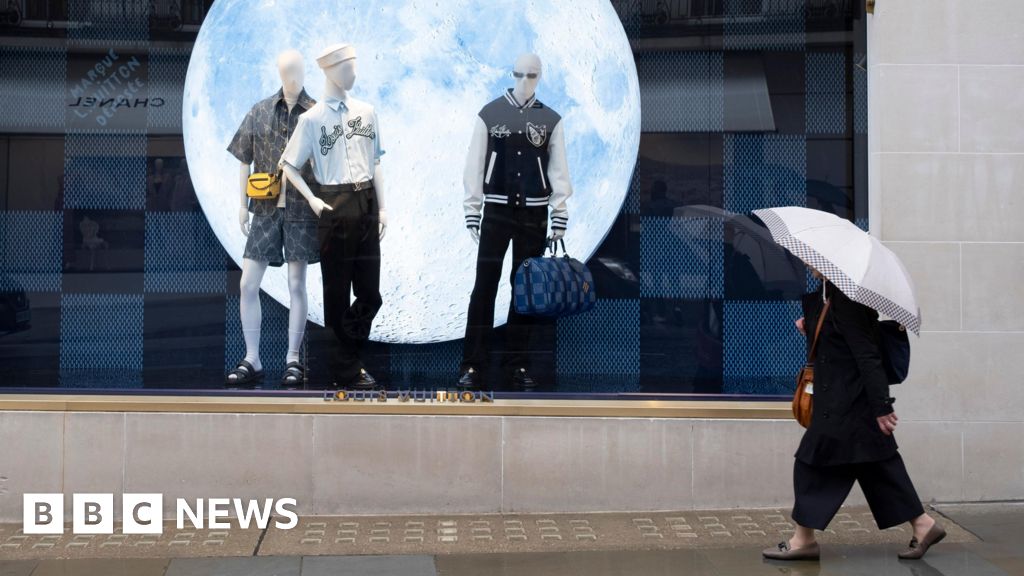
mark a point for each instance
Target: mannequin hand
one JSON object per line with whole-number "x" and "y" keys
{"x": 382, "y": 217}
{"x": 557, "y": 235}
{"x": 319, "y": 206}
{"x": 474, "y": 232}
{"x": 888, "y": 423}
{"x": 800, "y": 326}
{"x": 243, "y": 220}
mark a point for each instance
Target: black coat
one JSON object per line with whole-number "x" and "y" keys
{"x": 850, "y": 385}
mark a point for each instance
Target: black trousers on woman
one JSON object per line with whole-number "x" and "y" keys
{"x": 821, "y": 490}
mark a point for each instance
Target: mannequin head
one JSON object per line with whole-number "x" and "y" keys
{"x": 342, "y": 75}
{"x": 293, "y": 73}
{"x": 339, "y": 65}
{"x": 526, "y": 65}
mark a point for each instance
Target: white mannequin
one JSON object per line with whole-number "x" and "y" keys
{"x": 524, "y": 89}
{"x": 529, "y": 202}
{"x": 340, "y": 79}
{"x": 291, "y": 69}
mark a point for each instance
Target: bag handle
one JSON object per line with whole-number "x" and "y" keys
{"x": 553, "y": 247}
{"x": 817, "y": 331}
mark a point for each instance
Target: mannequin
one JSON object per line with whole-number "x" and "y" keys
{"x": 340, "y": 137}
{"x": 285, "y": 224}
{"x": 516, "y": 171}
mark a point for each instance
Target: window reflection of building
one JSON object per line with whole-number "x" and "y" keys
{"x": 696, "y": 17}
{"x": 52, "y": 16}
{"x": 168, "y": 186}
{"x": 157, "y": 183}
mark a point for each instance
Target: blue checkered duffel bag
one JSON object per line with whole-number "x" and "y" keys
{"x": 554, "y": 286}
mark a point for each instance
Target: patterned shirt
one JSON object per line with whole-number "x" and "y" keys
{"x": 260, "y": 141}
{"x": 340, "y": 137}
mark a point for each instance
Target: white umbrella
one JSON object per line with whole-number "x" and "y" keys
{"x": 853, "y": 260}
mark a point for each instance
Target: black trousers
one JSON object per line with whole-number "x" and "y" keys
{"x": 821, "y": 490}
{"x": 527, "y": 229}
{"x": 350, "y": 262}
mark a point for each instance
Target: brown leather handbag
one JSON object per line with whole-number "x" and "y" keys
{"x": 803, "y": 399}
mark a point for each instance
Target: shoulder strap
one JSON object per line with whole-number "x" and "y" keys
{"x": 817, "y": 331}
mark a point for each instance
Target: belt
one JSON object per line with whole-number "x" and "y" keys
{"x": 341, "y": 188}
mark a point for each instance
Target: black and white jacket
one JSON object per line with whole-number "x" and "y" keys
{"x": 517, "y": 157}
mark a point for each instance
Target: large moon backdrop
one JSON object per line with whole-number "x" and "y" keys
{"x": 428, "y": 68}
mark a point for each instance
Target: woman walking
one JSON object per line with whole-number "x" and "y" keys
{"x": 850, "y": 437}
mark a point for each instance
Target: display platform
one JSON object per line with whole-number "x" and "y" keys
{"x": 481, "y": 404}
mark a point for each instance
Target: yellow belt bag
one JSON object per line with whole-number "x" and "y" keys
{"x": 264, "y": 186}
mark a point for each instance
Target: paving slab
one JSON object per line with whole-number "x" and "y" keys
{"x": 102, "y": 567}
{"x": 1000, "y": 528}
{"x": 247, "y": 566}
{"x": 17, "y": 567}
{"x": 369, "y": 566}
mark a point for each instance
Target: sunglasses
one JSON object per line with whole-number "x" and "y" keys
{"x": 530, "y": 75}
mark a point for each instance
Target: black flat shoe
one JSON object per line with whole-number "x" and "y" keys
{"x": 521, "y": 380}
{"x": 294, "y": 376}
{"x": 364, "y": 382}
{"x": 470, "y": 380}
{"x": 245, "y": 376}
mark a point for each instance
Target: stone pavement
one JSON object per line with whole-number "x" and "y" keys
{"x": 984, "y": 540}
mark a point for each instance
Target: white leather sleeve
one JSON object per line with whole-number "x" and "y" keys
{"x": 558, "y": 176}
{"x": 473, "y": 177}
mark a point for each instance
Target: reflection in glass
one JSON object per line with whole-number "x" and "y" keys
{"x": 111, "y": 276}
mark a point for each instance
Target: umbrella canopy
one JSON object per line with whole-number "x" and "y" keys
{"x": 853, "y": 260}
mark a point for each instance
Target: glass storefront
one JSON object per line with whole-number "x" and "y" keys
{"x": 111, "y": 276}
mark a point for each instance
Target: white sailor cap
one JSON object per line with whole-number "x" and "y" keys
{"x": 335, "y": 54}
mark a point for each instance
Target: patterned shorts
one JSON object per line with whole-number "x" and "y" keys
{"x": 269, "y": 234}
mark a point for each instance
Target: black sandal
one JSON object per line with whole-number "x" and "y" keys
{"x": 244, "y": 376}
{"x": 294, "y": 376}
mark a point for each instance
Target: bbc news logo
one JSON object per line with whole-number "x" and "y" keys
{"x": 144, "y": 513}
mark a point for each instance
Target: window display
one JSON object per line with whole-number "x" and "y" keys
{"x": 132, "y": 257}
{"x": 516, "y": 169}
{"x": 283, "y": 229}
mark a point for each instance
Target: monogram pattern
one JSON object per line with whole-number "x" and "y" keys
{"x": 269, "y": 235}
{"x": 260, "y": 141}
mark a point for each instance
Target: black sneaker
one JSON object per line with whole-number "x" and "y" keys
{"x": 521, "y": 380}
{"x": 365, "y": 381}
{"x": 470, "y": 380}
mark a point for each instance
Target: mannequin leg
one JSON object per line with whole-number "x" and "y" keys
{"x": 528, "y": 241}
{"x": 250, "y": 310}
{"x": 297, "y": 314}
{"x": 495, "y": 235}
{"x": 336, "y": 252}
